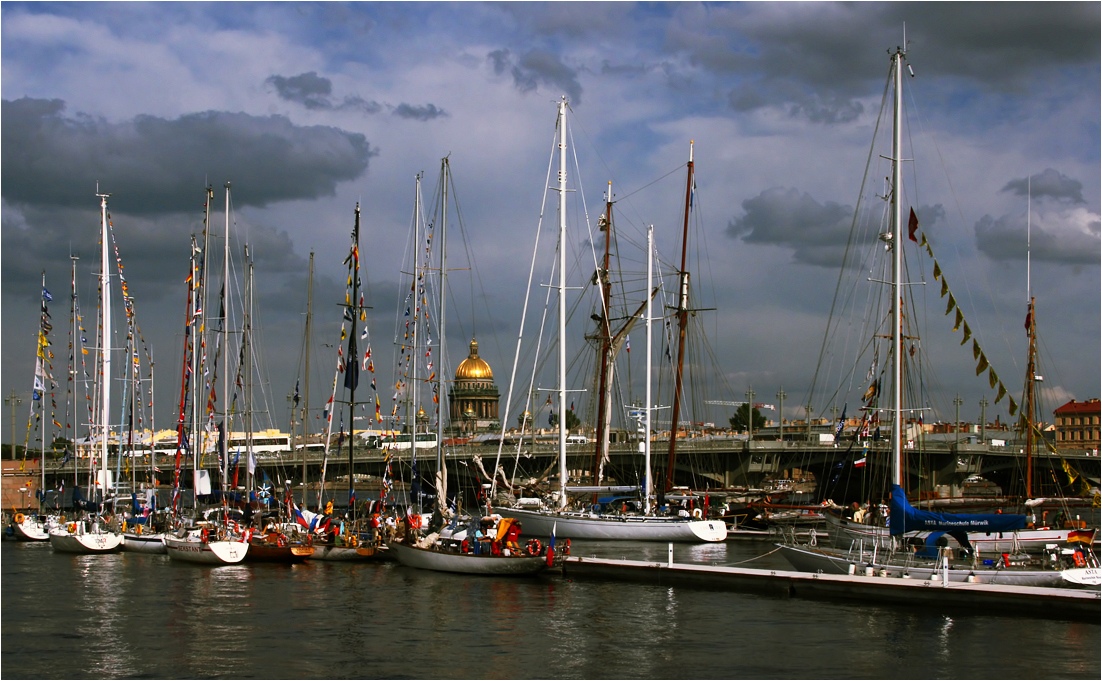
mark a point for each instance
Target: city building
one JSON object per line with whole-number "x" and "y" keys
{"x": 1077, "y": 425}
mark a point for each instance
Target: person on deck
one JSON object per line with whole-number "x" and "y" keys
{"x": 512, "y": 536}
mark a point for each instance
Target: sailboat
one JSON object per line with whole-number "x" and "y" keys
{"x": 928, "y": 556}
{"x": 36, "y": 526}
{"x": 217, "y": 541}
{"x": 91, "y": 533}
{"x": 463, "y": 545}
{"x": 342, "y": 540}
{"x": 590, "y": 523}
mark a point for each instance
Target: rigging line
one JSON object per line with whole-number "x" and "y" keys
{"x": 524, "y": 312}
{"x": 853, "y": 225}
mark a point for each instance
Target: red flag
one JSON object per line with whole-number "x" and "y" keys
{"x": 912, "y": 226}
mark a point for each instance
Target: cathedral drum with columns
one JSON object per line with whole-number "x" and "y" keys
{"x": 474, "y": 396}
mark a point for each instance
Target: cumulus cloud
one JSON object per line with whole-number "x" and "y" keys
{"x": 537, "y": 68}
{"x": 160, "y": 164}
{"x": 1067, "y": 235}
{"x": 1048, "y": 184}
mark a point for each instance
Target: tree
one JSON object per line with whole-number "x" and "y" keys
{"x": 572, "y": 420}
{"x": 742, "y": 418}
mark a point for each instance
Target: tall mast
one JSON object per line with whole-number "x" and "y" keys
{"x": 897, "y": 272}
{"x": 225, "y": 360}
{"x": 105, "y": 344}
{"x": 246, "y": 370}
{"x": 648, "y": 484}
{"x": 604, "y": 387}
{"x": 352, "y": 368}
{"x": 74, "y": 336}
{"x": 562, "y": 303}
{"x": 198, "y": 344}
{"x": 47, "y": 384}
{"x": 1031, "y": 364}
{"x": 304, "y": 416}
{"x": 682, "y": 322}
{"x": 441, "y": 463}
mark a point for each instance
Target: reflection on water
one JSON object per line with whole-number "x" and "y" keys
{"x": 134, "y": 615}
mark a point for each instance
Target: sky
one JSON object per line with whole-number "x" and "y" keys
{"x": 310, "y": 108}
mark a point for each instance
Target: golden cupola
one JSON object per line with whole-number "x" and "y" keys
{"x": 474, "y": 368}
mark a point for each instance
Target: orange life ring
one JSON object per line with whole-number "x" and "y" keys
{"x": 566, "y": 546}
{"x": 1080, "y": 560}
{"x": 534, "y": 546}
{"x": 19, "y": 518}
{"x": 415, "y": 521}
{"x": 465, "y": 546}
{"x": 281, "y": 540}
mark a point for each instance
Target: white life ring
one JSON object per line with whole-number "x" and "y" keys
{"x": 697, "y": 514}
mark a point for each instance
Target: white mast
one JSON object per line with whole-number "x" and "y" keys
{"x": 897, "y": 269}
{"x": 648, "y": 483}
{"x": 104, "y": 348}
{"x": 225, "y": 359}
{"x": 562, "y": 303}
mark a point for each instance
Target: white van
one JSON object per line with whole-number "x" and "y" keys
{"x": 577, "y": 440}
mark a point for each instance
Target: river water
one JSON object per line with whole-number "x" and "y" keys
{"x": 138, "y": 616}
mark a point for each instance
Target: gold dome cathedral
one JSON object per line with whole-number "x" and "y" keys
{"x": 474, "y": 397}
{"x": 474, "y": 368}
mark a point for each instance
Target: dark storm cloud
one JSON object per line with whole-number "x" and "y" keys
{"x": 537, "y": 68}
{"x": 51, "y": 158}
{"x": 315, "y": 92}
{"x": 815, "y": 62}
{"x": 1049, "y": 184}
{"x": 816, "y": 232}
{"x": 419, "y": 113}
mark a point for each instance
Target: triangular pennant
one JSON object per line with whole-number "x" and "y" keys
{"x": 944, "y": 287}
{"x": 982, "y": 366}
{"x": 960, "y": 320}
{"x": 967, "y": 333}
{"x": 952, "y": 304}
{"x": 992, "y": 377}
{"x": 976, "y": 352}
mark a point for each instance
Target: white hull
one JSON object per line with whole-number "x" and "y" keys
{"x": 1087, "y": 576}
{"x": 144, "y": 543}
{"x": 61, "y": 539}
{"x": 985, "y": 543}
{"x": 811, "y": 559}
{"x": 192, "y": 549}
{"x": 31, "y": 529}
{"x": 628, "y": 527}
{"x": 466, "y": 563}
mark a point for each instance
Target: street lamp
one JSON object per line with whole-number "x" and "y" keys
{"x": 469, "y": 416}
{"x": 13, "y": 400}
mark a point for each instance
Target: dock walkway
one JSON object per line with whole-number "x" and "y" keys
{"x": 1048, "y": 603}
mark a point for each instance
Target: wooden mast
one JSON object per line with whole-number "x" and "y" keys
{"x": 682, "y": 322}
